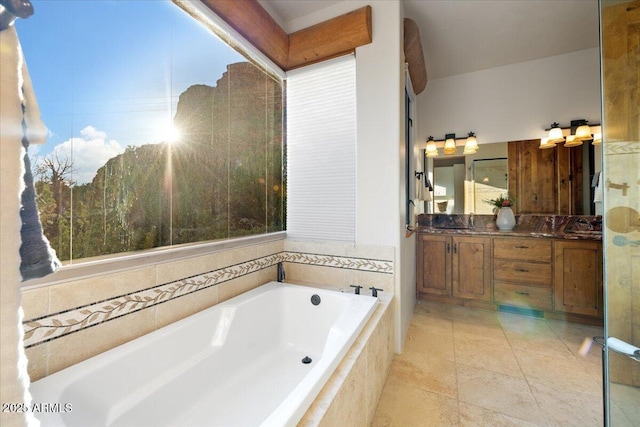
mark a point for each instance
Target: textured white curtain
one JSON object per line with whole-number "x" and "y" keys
{"x": 321, "y": 151}
{"x": 17, "y": 92}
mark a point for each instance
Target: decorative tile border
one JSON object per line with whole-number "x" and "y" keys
{"x": 56, "y": 325}
{"x": 351, "y": 263}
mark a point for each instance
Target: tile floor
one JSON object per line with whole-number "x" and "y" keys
{"x": 468, "y": 367}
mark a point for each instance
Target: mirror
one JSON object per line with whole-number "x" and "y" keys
{"x": 463, "y": 183}
{"x": 491, "y": 180}
{"x": 448, "y": 185}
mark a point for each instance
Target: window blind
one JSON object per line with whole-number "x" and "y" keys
{"x": 321, "y": 151}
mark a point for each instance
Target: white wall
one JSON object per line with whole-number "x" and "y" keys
{"x": 513, "y": 102}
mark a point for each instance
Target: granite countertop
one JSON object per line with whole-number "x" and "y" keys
{"x": 572, "y": 227}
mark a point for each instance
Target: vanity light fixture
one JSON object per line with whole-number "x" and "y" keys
{"x": 450, "y": 143}
{"x": 432, "y": 150}
{"x": 583, "y": 131}
{"x": 572, "y": 136}
{"x": 544, "y": 143}
{"x": 555, "y": 133}
{"x": 471, "y": 144}
{"x": 572, "y": 141}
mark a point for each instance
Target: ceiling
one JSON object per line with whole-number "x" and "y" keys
{"x": 461, "y": 36}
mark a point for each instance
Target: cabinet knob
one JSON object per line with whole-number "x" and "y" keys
{"x": 522, "y": 293}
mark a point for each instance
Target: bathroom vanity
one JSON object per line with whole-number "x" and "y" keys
{"x": 548, "y": 265}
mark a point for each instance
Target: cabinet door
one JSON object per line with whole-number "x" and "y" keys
{"x": 471, "y": 265}
{"x": 532, "y": 177}
{"x": 545, "y": 181}
{"x": 578, "y": 277}
{"x": 569, "y": 177}
{"x": 433, "y": 275}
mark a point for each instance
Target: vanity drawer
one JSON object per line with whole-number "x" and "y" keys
{"x": 523, "y": 296}
{"x": 525, "y": 249}
{"x": 522, "y": 271}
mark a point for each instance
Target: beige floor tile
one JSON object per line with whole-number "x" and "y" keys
{"x": 429, "y": 340}
{"x": 593, "y": 357}
{"x": 432, "y": 322}
{"x": 475, "y": 416}
{"x": 524, "y": 326}
{"x": 586, "y": 350}
{"x": 437, "y": 347}
{"x": 441, "y": 310}
{"x": 499, "y": 393}
{"x": 500, "y": 360}
{"x": 569, "y": 331}
{"x": 575, "y": 337}
{"x": 578, "y": 338}
{"x": 594, "y": 369}
{"x": 469, "y": 329}
{"x": 476, "y": 316}
{"x": 541, "y": 345}
{"x": 486, "y": 354}
{"x": 406, "y": 406}
{"x": 625, "y": 393}
{"x": 558, "y": 373}
{"x": 564, "y": 408}
{"x": 425, "y": 372}
{"x": 619, "y": 418}
{"x": 627, "y": 399}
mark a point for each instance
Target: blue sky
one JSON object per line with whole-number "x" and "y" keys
{"x": 108, "y": 74}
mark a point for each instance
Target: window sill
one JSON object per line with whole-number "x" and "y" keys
{"x": 83, "y": 269}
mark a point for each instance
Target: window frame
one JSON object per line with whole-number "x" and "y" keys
{"x": 113, "y": 263}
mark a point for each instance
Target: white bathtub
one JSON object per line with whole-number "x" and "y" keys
{"x": 238, "y": 363}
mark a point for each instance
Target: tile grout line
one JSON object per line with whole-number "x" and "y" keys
{"x": 526, "y": 379}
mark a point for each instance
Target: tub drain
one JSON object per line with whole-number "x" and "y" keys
{"x": 306, "y": 360}
{"x": 315, "y": 299}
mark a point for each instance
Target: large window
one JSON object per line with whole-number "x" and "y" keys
{"x": 159, "y": 133}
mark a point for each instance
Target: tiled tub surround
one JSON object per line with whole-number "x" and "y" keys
{"x": 351, "y": 395}
{"x": 572, "y": 227}
{"x": 340, "y": 264}
{"x": 218, "y": 356}
{"x": 73, "y": 321}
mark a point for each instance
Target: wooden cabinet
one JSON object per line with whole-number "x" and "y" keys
{"x": 433, "y": 260}
{"x": 532, "y": 177}
{"x": 545, "y": 181}
{"x": 457, "y": 266}
{"x": 560, "y": 278}
{"x": 522, "y": 273}
{"x": 578, "y": 277}
{"x": 471, "y": 268}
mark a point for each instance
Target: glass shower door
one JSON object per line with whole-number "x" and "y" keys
{"x": 620, "y": 42}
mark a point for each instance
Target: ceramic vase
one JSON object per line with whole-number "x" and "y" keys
{"x": 505, "y": 220}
